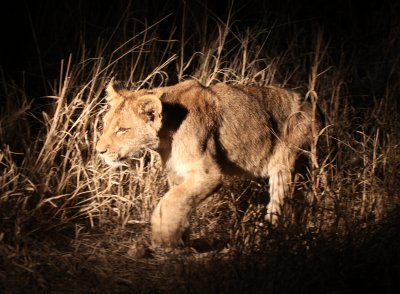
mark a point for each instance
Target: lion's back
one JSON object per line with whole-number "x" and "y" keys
{"x": 245, "y": 122}
{"x": 251, "y": 120}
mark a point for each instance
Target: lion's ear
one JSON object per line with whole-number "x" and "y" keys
{"x": 116, "y": 90}
{"x": 150, "y": 109}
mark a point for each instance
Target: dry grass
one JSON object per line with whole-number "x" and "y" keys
{"x": 67, "y": 222}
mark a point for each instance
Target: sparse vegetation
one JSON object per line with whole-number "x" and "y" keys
{"x": 69, "y": 223}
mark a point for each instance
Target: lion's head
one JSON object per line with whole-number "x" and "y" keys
{"x": 131, "y": 124}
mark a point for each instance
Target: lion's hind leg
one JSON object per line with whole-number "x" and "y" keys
{"x": 297, "y": 134}
{"x": 280, "y": 175}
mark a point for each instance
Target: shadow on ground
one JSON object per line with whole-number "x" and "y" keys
{"x": 99, "y": 263}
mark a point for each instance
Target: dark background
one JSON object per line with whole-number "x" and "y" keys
{"x": 365, "y": 35}
{"x": 38, "y": 34}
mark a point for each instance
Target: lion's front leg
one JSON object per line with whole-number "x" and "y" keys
{"x": 171, "y": 216}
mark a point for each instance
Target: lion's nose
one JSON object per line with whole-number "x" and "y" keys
{"x": 102, "y": 151}
{"x": 101, "y": 148}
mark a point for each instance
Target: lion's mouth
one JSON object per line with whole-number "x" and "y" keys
{"x": 113, "y": 162}
{"x": 122, "y": 160}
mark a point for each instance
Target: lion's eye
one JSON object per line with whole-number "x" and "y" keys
{"x": 121, "y": 131}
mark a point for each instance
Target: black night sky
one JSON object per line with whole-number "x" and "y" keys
{"x": 38, "y": 34}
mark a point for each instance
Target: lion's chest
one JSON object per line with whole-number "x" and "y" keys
{"x": 176, "y": 171}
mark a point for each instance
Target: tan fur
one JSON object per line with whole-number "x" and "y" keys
{"x": 202, "y": 133}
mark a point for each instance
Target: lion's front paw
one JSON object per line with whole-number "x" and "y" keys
{"x": 167, "y": 223}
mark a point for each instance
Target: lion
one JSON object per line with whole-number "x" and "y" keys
{"x": 202, "y": 133}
